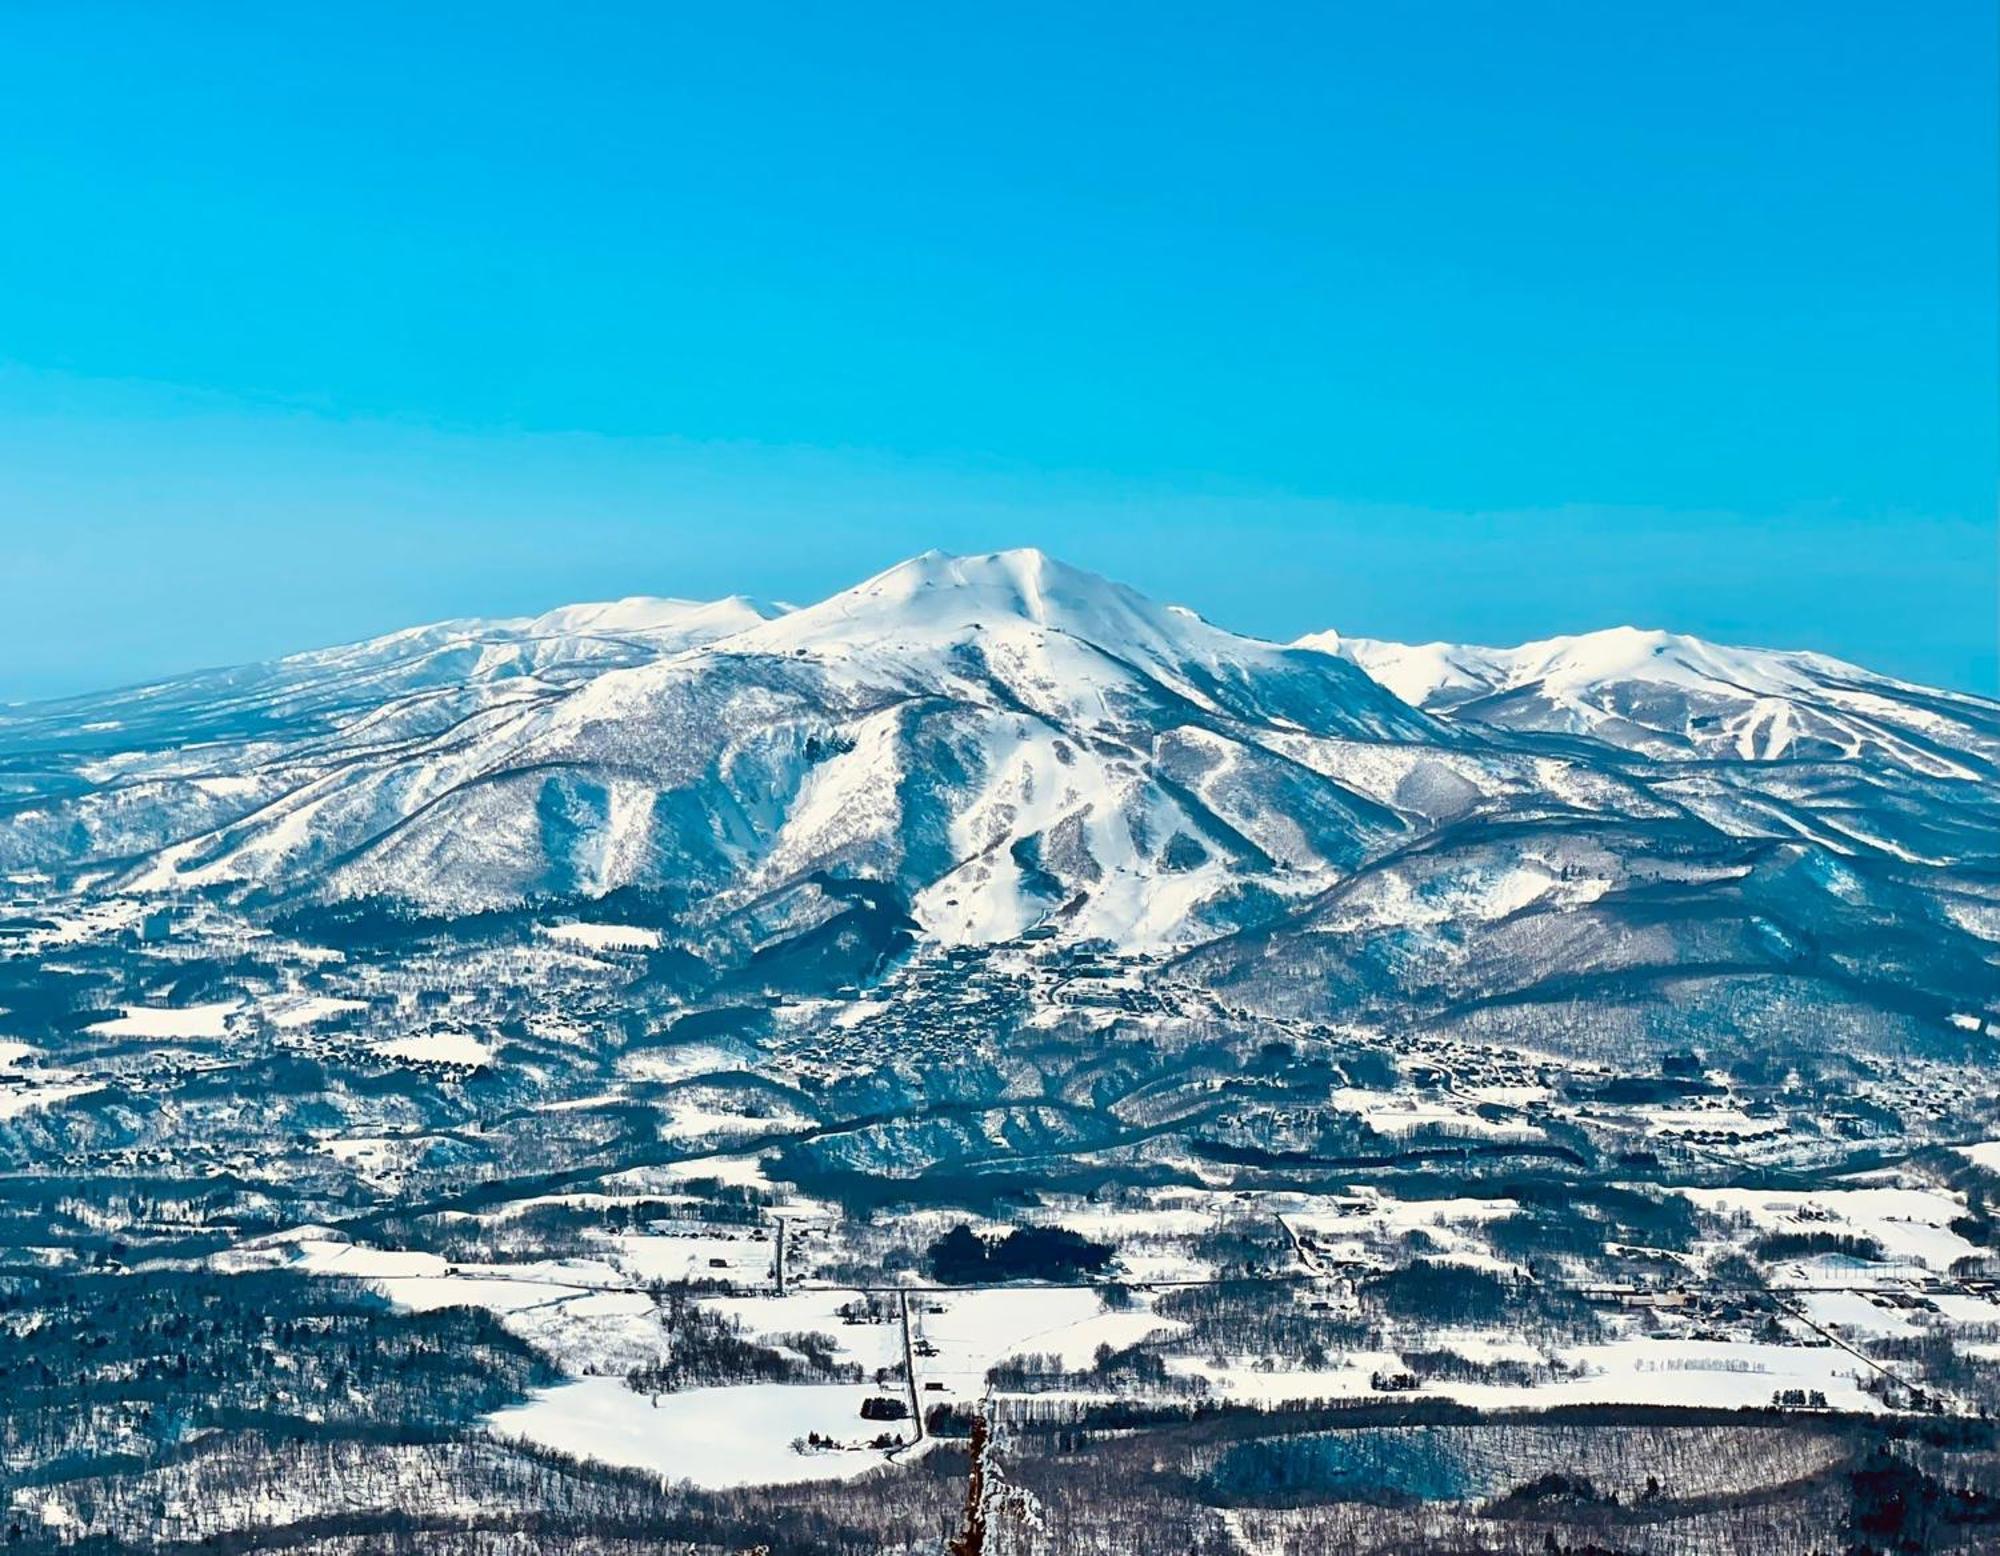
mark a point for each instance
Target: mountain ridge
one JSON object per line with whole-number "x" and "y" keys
{"x": 999, "y": 742}
{"x": 1671, "y": 695}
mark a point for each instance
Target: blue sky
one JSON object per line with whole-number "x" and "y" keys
{"x": 1477, "y": 321}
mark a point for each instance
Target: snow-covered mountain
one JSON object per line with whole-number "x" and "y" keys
{"x": 1670, "y": 696}
{"x": 972, "y": 746}
{"x": 1002, "y": 738}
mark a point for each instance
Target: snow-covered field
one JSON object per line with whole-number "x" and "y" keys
{"x": 309, "y": 1010}
{"x": 711, "y": 1437}
{"x": 974, "y": 1330}
{"x": 187, "y": 1023}
{"x": 1911, "y": 1224}
{"x": 605, "y": 937}
{"x": 682, "y": 1062}
{"x": 1639, "y": 1371}
{"x": 442, "y": 1047}
{"x": 42, "y": 1093}
{"x": 742, "y": 1257}
{"x": 1402, "y": 1114}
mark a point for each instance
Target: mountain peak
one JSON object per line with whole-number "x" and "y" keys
{"x": 1056, "y": 634}
{"x": 941, "y": 597}
{"x": 1015, "y": 580}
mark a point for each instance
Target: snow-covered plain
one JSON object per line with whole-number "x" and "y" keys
{"x": 1913, "y": 1225}
{"x": 441, "y": 1047}
{"x": 310, "y": 1010}
{"x": 605, "y": 937}
{"x": 187, "y": 1023}
{"x": 1718, "y": 1374}
{"x": 709, "y": 1437}
{"x": 974, "y": 1330}
{"x": 16, "y": 1099}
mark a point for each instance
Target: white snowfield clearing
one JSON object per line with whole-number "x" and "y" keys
{"x": 421, "y": 1281}
{"x": 743, "y": 1170}
{"x": 684, "y": 1061}
{"x": 586, "y": 1315}
{"x": 1452, "y": 1225}
{"x": 312, "y": 1009}
{"x": 383, "y": 1160}
{"x": 1856, "y": 1313}
{"x": 455, "y": 1048}
{"x": 22, "y": 1090}
{"x": 713, "y": 1438}
{"x": 1401, "y": 1113}
{"x": 973, "y": 1330}
{"x": 605, "y": 937}
{"x": 710, "y": 1115}
{"x": 693, "y": 1255}
{"x": 80, "y": 921}
{"x": 1720, "y": 1120}
{"x": 186, "y": 1022}
{"x": 1723, "y": 1374}
{"x": 1151, "y": 1241}
{"x": 16, "y": 1099}
{"x": 1912, "y": 1225}
{"x": 868, "y": 1345}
